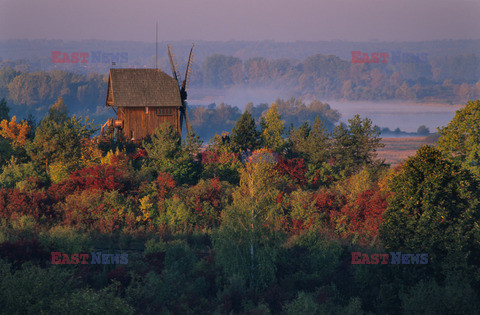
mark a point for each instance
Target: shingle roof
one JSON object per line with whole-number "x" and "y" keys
{"x": 143, "y": 87}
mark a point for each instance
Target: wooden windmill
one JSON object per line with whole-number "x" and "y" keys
{"x": 143, "y": 99}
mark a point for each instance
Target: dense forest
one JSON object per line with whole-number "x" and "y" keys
{"x": 267, "y": 218}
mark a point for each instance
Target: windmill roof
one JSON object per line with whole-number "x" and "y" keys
{"x": 142, "y": 88}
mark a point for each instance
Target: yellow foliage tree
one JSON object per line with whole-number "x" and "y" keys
{"x": 117, "y": 158}
{"x": 91, "y": 154}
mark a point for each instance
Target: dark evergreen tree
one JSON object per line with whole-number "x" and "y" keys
{"x": 244, "y": 134}
{"x": 4, "y": 110}
{"x": 355, "y": 144}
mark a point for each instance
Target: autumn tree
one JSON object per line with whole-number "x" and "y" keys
{"x": 246, "y": 242}
{"x": 221, "y": 159}
{"x": 272, "y": 129}
{"x": 58, "y": 138}
{"x": 16, "y": 132}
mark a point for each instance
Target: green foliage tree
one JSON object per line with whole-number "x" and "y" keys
{"x": 58, "y": 112}
{"x": 435, "y": 209}
{"x": 168, "y": 154}
{"x": 309, "y": 143}
{"x": 461, "y": 137}
{"x": 456, "y": 296}
{"x": 355, "y": 144}
{"x": 272, "y": 129}
{"x": 32, "y": 289}
{"x": 14, "y": 174}
{"x": 6, "y": 151}
{"x": 244, "y": 134}
{"x": 58, "y": 138}
{"x": 296, "y": 111}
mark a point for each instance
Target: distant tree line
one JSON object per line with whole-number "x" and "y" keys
{"x": 212, "y": 119}
{"x": 452, "y": 79}
{"x": 35, "y": 91}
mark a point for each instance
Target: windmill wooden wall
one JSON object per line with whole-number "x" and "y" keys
{"x": 141, "y": 122}
{"x": 144, "y": 99}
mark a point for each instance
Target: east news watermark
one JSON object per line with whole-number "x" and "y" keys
{"x": 94, "y": 258}
{"x": 395, "y": 57}
{"x": 92, "y": 57}
{"x": 394, "y": 258}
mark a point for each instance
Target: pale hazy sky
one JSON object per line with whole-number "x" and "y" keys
{"x": 280, "y": 20}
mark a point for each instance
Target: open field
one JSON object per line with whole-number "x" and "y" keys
{"x": 398, "y": 149}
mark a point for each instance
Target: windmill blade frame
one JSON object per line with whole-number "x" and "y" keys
{"x": 173, "y": 64}
{"x": 182, "y": 87}
{"x": 188, "y": 70}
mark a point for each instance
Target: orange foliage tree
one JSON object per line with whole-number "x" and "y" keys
{"x": 17, "y": 132}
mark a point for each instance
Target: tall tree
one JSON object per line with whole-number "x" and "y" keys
{"x": 244, "y": 134}
{"x": 310, "y": 143}
{"x": 355, "y": 145}
{"x": 246, "y": 242}
{"x": 272, "y": 129}
{"x": 58, "y": 112}
{"x": 461, "y": 137}
{"x": 434, "y": 209}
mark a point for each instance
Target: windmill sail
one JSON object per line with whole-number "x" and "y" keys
{"x": 183, "y": 87}
{"x": 189, "y": 69}
{"x": 173, "y": 64}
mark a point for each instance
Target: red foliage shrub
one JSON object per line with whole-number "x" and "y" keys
{"x": 363, "y": 217}
{"x": 165, "y": 184}
{"x": 327, "y": 201}
{"x": 15, "y": 203}
{"x": 140, "y": 153}
{"x": 294, "y": 168}
{"x": 208, "y": 216}
{"x": 98, "y": 177}
{"x": 93, "y": 209}
{"x": 209, "y": 157}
